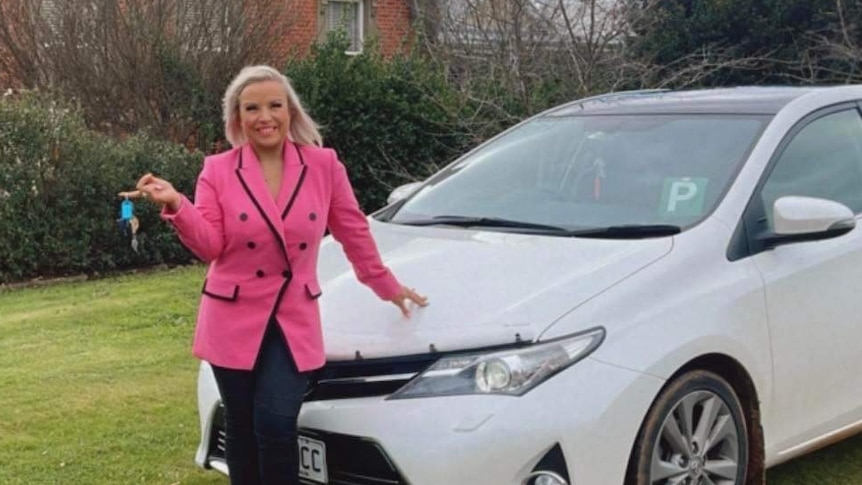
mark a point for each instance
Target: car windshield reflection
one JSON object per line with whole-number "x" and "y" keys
{"x": 567, "y": 174}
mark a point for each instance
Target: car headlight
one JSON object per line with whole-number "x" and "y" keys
{"x": 510, "y": 372}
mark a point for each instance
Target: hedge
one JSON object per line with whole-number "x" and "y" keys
{"x": 58, "y": 186}
{"x": 392, "y": 121}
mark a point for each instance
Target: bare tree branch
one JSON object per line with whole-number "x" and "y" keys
{"x": 159, "y": 65}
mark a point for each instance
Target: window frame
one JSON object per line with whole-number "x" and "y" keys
{"x": 364, "y": 17}
{"x": 753, "y": 223}
{"x": 190, "y": 16}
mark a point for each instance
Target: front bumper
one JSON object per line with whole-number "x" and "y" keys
{"x": 591, "y": 411}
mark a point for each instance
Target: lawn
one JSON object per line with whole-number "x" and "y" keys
{"x": 97, "y": 386}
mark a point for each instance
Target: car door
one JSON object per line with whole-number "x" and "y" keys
{"x": 813, "y": 289}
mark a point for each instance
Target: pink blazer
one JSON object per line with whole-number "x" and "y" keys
{"x": 263, "y": 252}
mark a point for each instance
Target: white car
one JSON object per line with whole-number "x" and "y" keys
{"x": 637, "y": 288}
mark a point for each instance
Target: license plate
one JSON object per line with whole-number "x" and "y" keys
{"x": 312, "y": 460}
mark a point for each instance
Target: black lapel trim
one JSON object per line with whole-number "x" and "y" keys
{"x": 269, "y": 223}
{"x": 298, "y": 184}
{"x": 299, "y": 152}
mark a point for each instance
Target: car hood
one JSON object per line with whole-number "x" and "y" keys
{"x": 484, "y": 288}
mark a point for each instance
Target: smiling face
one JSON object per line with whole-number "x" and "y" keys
{"x": 264, "y": 115}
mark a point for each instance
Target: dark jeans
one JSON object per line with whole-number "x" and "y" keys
{"x": 261, "y": 410}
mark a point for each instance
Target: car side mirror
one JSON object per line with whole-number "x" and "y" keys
{"x": 797, "y": 219}
{"x": 402, "y": 192}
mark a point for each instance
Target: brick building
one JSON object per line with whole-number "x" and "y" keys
{"x": 303, "y": 22}
{"x": 310, "y": 21}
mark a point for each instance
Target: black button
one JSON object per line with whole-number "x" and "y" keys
{"x": 243, "y": 217}
{"x": 312, "y": 216}
{"x": 260, "y": 273}
{"x": 287, "y": 274}
{"x": 302, "y": 246}
{"x": 251, "y": 245}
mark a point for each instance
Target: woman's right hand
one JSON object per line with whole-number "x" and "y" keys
{"x": 159, "y": 191}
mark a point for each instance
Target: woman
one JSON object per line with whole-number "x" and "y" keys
{"x": 260, "y": 212}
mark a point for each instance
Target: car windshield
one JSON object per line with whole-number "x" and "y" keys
{"x": 577, "y": 173}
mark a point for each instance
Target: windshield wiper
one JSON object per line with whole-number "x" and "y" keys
{"x": 628, "y": 231}
{"x": 467, "y": 221}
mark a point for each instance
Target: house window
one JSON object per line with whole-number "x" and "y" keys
{"x": 61, "y": 21}
{"x": 203, "y": 27}
{"x": 347, "y": 16}
{"x": 49, "y": 13}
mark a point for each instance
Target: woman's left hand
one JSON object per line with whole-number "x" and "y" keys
{"x": 408, "y": 294}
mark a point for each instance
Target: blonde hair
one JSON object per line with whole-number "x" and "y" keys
{"x": 303, "y": 129}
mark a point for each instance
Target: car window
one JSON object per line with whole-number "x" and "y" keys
{"x": 823, "y": 160}
{"x": 595, "y": 171}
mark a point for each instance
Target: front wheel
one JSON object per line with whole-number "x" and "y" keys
{"x": 694, "y": 434}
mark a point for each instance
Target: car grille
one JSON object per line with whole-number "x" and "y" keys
{"x": 350, "y": 460}
{"x": 353, "y": 460}
{"x": 217, "y": 437}
{"x": 377, "y": 377}
{"x": 363, "y": 378}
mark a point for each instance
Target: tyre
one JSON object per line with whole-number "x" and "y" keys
{"x": 695, "y": 433}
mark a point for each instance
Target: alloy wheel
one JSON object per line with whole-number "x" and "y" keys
{"x": 698, "y": 443}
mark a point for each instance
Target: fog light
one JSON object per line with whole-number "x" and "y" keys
{"x": 544, "y": 478}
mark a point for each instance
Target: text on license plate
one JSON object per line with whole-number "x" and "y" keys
{"x": 312, "y": 460}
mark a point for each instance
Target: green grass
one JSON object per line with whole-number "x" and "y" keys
{"x": 97, "y": 386}
{"x": 839, "y": 464}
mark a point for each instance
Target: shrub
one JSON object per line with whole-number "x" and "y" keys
{"x": 58, "y": 186}
{"x": 392, "y": 121}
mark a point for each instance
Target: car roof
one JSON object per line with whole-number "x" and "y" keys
{"x": 739, "y": 100}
